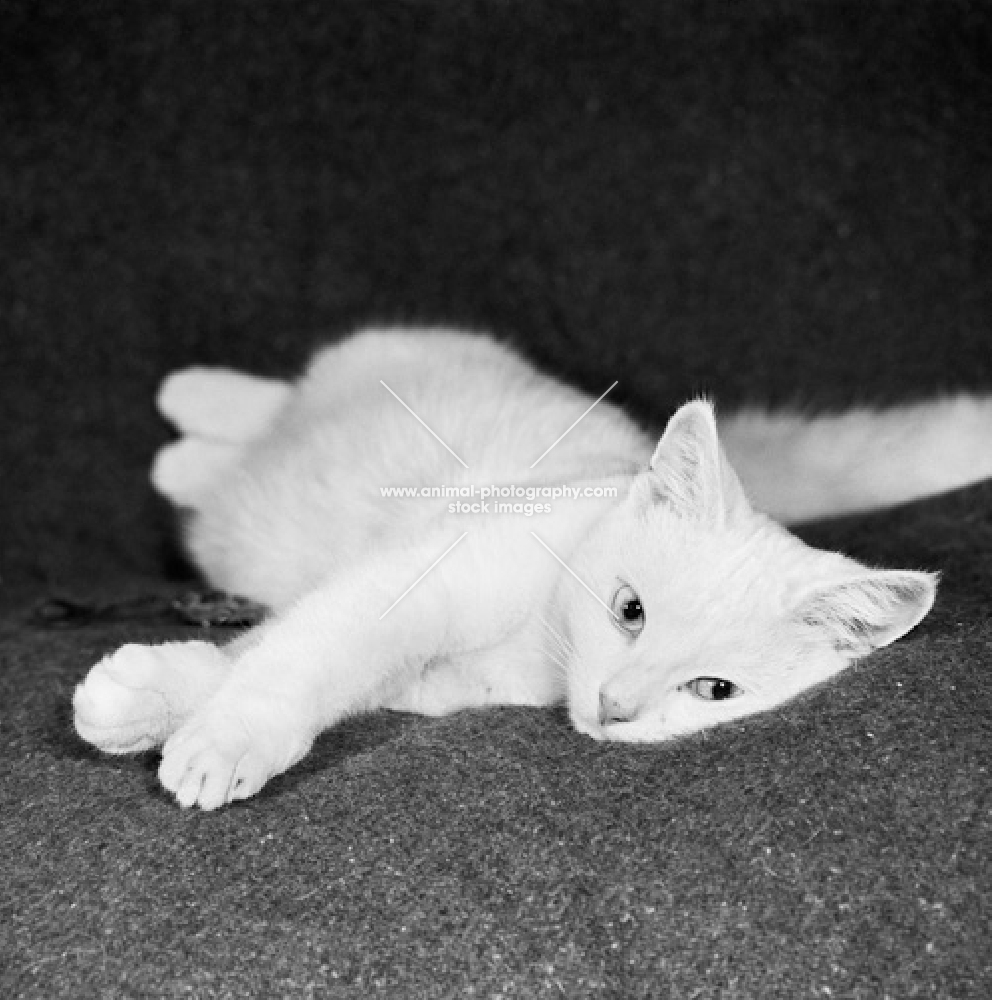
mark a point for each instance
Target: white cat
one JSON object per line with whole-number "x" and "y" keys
{"x": 657, "y": 603}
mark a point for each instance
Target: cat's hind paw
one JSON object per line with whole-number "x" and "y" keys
{"x": 135, "y": 698}
{"x": 186, "y": 470}
{"x": 220, "y": 404}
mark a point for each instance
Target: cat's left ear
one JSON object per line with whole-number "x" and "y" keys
{"x": 689, "y": 471}
{"x": 867, "y": 612}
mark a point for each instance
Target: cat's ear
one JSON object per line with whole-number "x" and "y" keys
{"x": 866, "y": 612}
{"x": 689, "y": 471}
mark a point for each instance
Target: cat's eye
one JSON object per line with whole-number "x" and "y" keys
{"x": 628, "y": 614}
{"x": 713, "y": 688}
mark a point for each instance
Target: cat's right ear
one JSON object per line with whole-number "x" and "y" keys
{"x": 688, "y": 470}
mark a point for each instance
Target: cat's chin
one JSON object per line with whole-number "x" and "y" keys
{"x": 636, "y": 731}
{"x": 587, "y": 728}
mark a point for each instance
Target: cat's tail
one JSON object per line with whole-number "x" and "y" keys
{"x": 799, "y": 468}
{"x": 217, "y": 412}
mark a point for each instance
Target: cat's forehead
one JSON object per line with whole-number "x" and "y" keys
{"x": 755, "y": 546}
{"x": 709, "y": 575}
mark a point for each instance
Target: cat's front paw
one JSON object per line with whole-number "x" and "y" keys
{"x": 135, "y": 698}
{"x": 228, "y": 752}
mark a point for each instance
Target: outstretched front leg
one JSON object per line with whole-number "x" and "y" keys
{"x": 341, "y": 649}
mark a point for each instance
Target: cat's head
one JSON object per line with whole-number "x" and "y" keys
{"x": 708, "y": 611}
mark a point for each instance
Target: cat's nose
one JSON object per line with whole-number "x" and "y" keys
{"x": 615, "y": 708}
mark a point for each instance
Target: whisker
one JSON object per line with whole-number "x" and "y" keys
{"x": 560, "y": 651}
{"x": 549, "y": 626}
{"x": 563, "y": 644}
{"x": 555, "y": 646}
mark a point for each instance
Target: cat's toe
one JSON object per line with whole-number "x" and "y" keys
{"x": 119, "y": 707}
{"x": 213, "y": 761}
{"x": 225, "y": 753}
{"x": 202, "y": 778}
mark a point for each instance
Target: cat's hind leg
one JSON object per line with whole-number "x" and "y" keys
{"x": 221, "y": 404}
{"x": 186, "y": 470}
{"x": 136, "y": 698}
{"x": 218, "y": 412}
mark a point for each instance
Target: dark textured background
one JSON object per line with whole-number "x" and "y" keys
{"x": 781, "y": 202}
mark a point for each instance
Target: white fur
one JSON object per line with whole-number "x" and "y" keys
{"x": 284, "y": 486}
{"x": 220, "y": 404}
{"x": 797, "y": 468}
